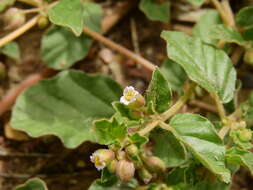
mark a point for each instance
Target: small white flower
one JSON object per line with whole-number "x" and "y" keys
{"x": 129, "y": 95}
{"x": 98, "y": 162}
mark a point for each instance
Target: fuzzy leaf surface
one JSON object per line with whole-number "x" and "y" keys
{"x": 66, "y": 106}
{"x": 241, "y": 157}
{"x": 206, "y": 65}
{"x": 156, "y": 11}
{"x": 244, "y": 17}
{"x": 174, "y": 74}
{"x": 199, "y": 136}
{"x": 167, "y": 148}
{"x": 61, "y": 48}
{"x": 33, "y": 184}
{"x": 159, "y": 94}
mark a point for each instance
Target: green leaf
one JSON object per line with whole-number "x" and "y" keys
{"x": 226, "y": 33}
{"x": 178, "y": 179}
{"x": 97, "y": 185}
{"x": 241, "y": 157}
{"x": 244, "y": 17}
{"x": 158, "y": 95}
{"x": 61, "y": 48}
{"x": 248, "y": 34}
{"x": 109, "y": 131}
{"x": 33, "y": 184}
{"x": 65, "y": 106}
{"x": 203, "y": 27}
{"x": 247, "y": 109}
{"x": 107, "y": 178}
{"x": 156, "y": 11}
{"x": 196, "y": 2}
{"x": 92, "y": 15}
{"x": 11, "y": 50}
{"x": 68, "y": 13}
{"x": 125, "y": 115}
{"x": 174, "y": 74}
{"x": 235, "y": 136}
{"x": 5, "y": 3}
{"x": 176, "y": 176}
{"x": 206, "y": 65}
{"x": 167, "y": 148}
{"x": 138, "y": 140}
{"x": 199, "y": 136}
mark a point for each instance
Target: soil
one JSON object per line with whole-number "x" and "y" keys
{"x": 22, "y": 157}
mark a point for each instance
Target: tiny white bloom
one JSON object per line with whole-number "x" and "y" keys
{"x": 98, "y": 162}
{"x": 129, "y": 95}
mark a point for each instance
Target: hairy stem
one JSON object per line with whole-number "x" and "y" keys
{"x": 223, "y": 13}
{"x": 35, "y": 3}
{"x": 148, "y": 128}
{"x": 174, "y": 109}
{"x": 224, "y": 130}
{"x": 15, "y": 34}
{"x": 34, "y": 10}
{"x": 145, "y": 63}
{"x": 219, "y": 106}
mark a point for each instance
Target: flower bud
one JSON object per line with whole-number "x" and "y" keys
{"x": 245, "y": 134}
{"x": 248, "y": 56}
{"x": 112, "y": 166}
{"x": 125, "y": 170}
{"x": 145, "y": 175}
{"x": 154, "y": 164}
{"x": 43, "y": 21}
{"x": 102, "y": 157}
{"x": 132, "y": 150}
{"x": 13, "y": 18}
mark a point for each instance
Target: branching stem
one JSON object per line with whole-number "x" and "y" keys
{"x": 174, "y": 109}
{"x": 219, "y": 106}
{"x": 225, "y": 15}
{"x": 15, "y": 34}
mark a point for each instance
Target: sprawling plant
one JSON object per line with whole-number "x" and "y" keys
{"x": 150, "y": 145}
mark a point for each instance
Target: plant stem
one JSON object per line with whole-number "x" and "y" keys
{"x": 34, "y": 10}
{"x": 229, "y": 12}
{"x": 224, "y": 130}
{"x": 148, "y": 128}
{"x": 223, "y": 12}
{"x": 35, "y": 3}
{"x": 174, "y": 109}
{"x": 119, "y": 48}
{"x": 203, "y": 105}
{"x": 165, "y": 126}
{"x": 15, "y": 34}
{"x": 219, "y": 106}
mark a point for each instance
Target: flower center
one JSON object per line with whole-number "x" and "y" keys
{"x": 129, "y": 95}
{"x": 97, "y": 161}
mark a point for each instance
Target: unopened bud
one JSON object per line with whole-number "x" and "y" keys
{"x": 121, "y": 155}
{"x": 132, "y": 150}
{"x": 145, "y": 175}
{"x": 248, "y": 56}
{"x": 13, "y": 18}
{"x": 125, "y": 170}
{"x": 43, "y": 21}
{"x": 245, "y": 134}
{"x": 112, "y": 166}
{"x": 102, "y": 157}
{"x": 154, "y": 164}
